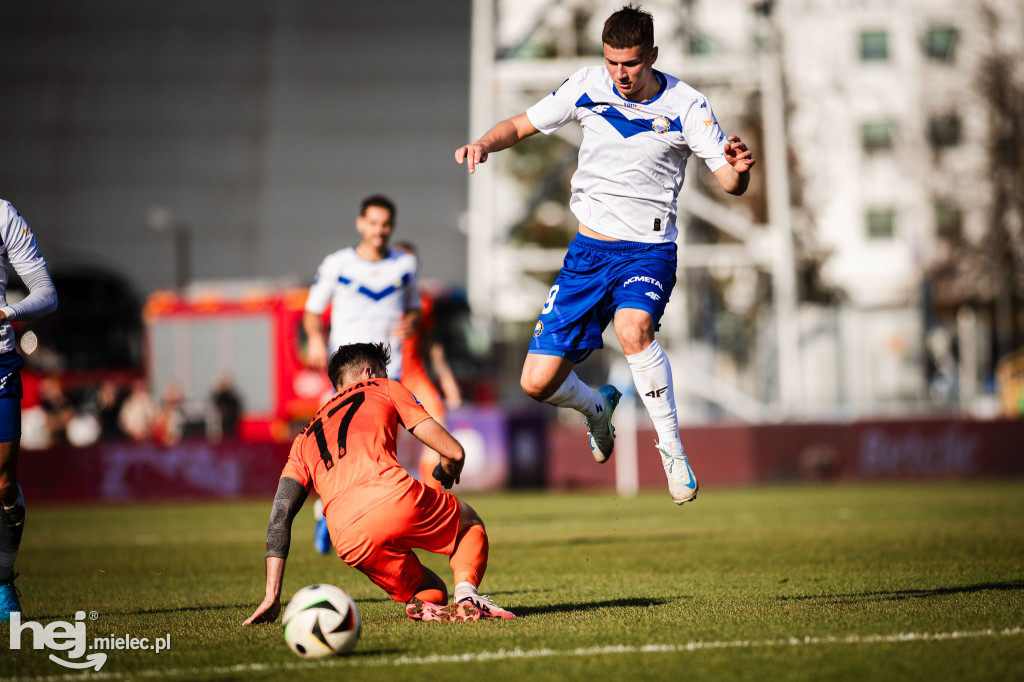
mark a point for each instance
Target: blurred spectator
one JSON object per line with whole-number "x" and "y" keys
{"x": 138, "y": 412}
{"x": 228, "y": 407}
{"x": 58, "y": 409}
{"x": 169, "y": 425}
{"x": 104, "y": 404}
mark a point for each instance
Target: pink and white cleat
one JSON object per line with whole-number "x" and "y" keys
{"x": 418, "y": 609}
{"x": 487, "y": 608}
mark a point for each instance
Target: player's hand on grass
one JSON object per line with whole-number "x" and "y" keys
{"x": 447, "y": 480}
{"x": 266, "y": 612}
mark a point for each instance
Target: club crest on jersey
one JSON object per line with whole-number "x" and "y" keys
{"x": 539, "y": 329}
{"x": 661, "y": 125}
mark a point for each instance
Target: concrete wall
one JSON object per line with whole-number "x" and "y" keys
{"x": 259, "y": 124}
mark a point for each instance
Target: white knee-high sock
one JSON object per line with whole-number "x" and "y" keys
{"x": 12, "y": 522}
{"x": 652, "y": 375}
{"x": 575, "y": 394}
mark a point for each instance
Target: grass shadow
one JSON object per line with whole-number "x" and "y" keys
{"x": 899, "y": 595}
{"x": 588, "y": 606}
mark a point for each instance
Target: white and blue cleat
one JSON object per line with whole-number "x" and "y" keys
{"x": 682, "y": 484}
{"x": 602, "y": 433}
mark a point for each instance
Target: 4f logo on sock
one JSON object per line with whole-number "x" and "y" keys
{"x": 656, "y": 393}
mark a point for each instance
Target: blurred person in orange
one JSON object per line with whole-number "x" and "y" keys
{"x": 416, "y": 377}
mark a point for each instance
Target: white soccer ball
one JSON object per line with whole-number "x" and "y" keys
{"x": 321, "y": 620}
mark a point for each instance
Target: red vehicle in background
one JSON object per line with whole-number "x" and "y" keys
{"x": 247, "y": 335}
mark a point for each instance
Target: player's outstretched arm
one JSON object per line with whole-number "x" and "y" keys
{"x": 270, "y": 607}
{"x": 453, "y": 457}
{"x": 287, "y": 502}
{"x": 735, "y": 176}
{"x": 502, "y": 136}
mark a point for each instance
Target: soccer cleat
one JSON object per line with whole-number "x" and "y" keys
{"x": 602, "y": 433}
{"x": 322, "y": 537}
{"x": 682, "y": 484}
{"x": 417, "y": 609}
{"x": 487, "y": 609}
{"x": 9, "y": 603}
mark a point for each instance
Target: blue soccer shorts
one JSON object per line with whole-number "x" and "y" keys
{"x": 597, "y": 278}
{"x": 10, "y": 396}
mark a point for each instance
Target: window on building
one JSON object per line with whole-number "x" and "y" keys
{"x": 944, "y": 131}
{"x": 948, "y": 220}
{"x": 877, "y": 136}
{"x": 881, "y": 223}
{"x": 874, "y": 46}
{"x": 940, "y": 43}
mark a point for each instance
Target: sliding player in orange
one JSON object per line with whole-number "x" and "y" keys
{"x": 376, "y": 512}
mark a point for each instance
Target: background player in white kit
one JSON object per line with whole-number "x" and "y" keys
{"x": 19, "y": 250}
{"x": 374, "y": 296}
{"x": 372, "y": 289}
{"x": 639, "y": 128}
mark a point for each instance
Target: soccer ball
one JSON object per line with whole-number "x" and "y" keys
{"x": 321, "y": 620}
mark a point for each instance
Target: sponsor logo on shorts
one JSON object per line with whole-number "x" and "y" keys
{"x": 646, "y": 280}
{"x": 653, "y": 296}
{"x": 539, "y": 329}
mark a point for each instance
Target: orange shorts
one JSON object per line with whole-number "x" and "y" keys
{"x": 423, "y": 388}
{"x": 380, "y": 542}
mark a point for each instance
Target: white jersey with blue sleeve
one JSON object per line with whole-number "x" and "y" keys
{"x": 19, "y": 250}
{"x": 367, "y": 299}
{"x": 633, "y": 156}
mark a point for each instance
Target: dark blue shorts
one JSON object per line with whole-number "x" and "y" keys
{"x": 597, "y": 278}
{"x": 10, "y": 396}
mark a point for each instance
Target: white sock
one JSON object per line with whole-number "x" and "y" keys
{"x": 465, "y": 589}
{"x": 12, "y": 522}
{"x": 652, "y": 376}
{"x": 575, "y": 394}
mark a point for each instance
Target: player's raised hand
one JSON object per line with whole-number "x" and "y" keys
{"x": 266, "y": 612}
{"x": 737, "y": 154}
{"x": 470, "y": 155}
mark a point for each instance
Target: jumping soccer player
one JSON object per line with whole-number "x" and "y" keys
{"x": 639, "y": 127}
{"x": 18, "y": 249}
{"x": 376, "y": 511}
{"x": 374, "y": 296}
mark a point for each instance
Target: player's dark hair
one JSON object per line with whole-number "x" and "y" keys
{"x": 355, "y": 356}
{"x": 630, "y": 27}
{"x": 381, "y": 201}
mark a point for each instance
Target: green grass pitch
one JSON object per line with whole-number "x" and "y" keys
{"x": 856, "y": 582}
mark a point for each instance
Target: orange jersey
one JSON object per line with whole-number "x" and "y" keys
{"x": 347, "y": 452}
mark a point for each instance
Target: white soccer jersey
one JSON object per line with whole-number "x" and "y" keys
{"x": 19, "y": 250}
{"x": 633, "y": 156}
{"x": 367, "y": 298}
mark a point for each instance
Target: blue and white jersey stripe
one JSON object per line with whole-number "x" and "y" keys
{"x": 633, "y": 157}
{"x": 367, "y": 298}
